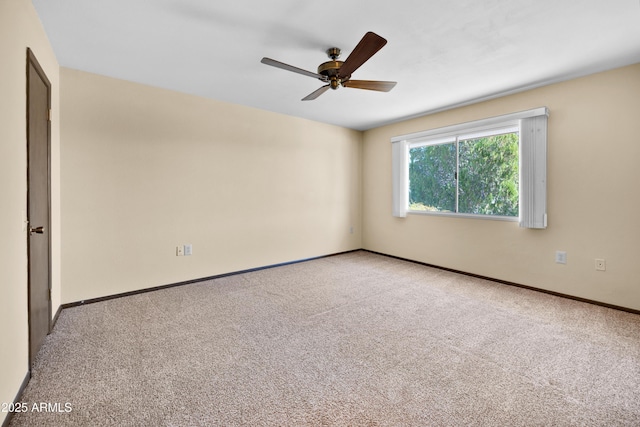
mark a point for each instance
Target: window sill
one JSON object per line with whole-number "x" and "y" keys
{"x": 463, "y": 215}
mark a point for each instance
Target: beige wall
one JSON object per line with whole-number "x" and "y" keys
{"x": 593, "y": 202}
{"x": 20, "y": 28}
{"x": 146, "y": 169}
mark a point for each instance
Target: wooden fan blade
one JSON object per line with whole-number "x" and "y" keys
{"x": 366, "y": 48}
{"x": 370, "y": 85}
{"x": 282, "y": 65}
{"x": 316, "y": 93}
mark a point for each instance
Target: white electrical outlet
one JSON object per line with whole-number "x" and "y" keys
{"x": 601, "y": 264}
{"x": 179, "y": 250}
{"x": 188, "y": 249}
{"x": 561, "y": 257}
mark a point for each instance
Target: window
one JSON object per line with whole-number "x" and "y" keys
{"x": 493, "y": 168}
{"x": 471, "y": 174}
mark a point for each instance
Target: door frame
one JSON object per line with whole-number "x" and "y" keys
{"x": 32, "y": 61}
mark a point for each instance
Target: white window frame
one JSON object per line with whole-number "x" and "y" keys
{"x": 532, "y": 127}
{"x": 507, "y": 127}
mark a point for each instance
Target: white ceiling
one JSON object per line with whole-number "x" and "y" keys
{"x": 442, "y": 53}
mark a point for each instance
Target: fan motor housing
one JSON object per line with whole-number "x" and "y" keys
{"x": 330, "y": 68}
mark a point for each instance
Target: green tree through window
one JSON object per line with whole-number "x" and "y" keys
{"x": 487, "y": 172}
{"x": 432, "y": 171}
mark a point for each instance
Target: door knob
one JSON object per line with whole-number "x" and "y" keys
{"x": 37, "y": 230}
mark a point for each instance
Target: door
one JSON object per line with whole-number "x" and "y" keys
{"x": 38, "y": 201}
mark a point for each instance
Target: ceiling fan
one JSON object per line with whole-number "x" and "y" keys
{"x": 338, "y": 73}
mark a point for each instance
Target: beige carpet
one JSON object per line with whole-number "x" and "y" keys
{"x": 356, "y": 339}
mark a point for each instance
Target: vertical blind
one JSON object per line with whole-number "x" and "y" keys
{"x": 533, "y": 172}
{"x": 400, "y": 178}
